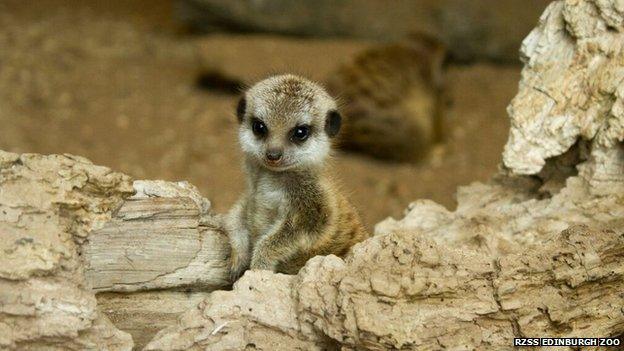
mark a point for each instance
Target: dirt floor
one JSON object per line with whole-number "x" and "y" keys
{"x": 116, "y": 82}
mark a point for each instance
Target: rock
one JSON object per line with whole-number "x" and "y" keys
{"x": 571, "y": 91}
{"x": 507, "y": 217}
{"x": 403, "y": 290}
{"x": 218, "y": 322}
{"x": 48, "y": 206}
{"x": 479, "y": 29}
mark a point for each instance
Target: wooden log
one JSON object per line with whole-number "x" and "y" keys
{"x": 163, "y": 237}
{"x": 143, "y": 314}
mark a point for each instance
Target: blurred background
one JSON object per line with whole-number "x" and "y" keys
{"x": 149, "y": 88}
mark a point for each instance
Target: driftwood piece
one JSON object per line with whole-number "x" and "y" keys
{"x": 143, "y": 314}
{"x": 162, "y": 237}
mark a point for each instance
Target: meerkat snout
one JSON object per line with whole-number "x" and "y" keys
{"x": 287, "y": 122}
{"x": 274, "y": 155}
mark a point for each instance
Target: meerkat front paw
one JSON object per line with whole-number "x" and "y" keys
{"x": 238, "y": 265}
{"x": 260, "y": 263}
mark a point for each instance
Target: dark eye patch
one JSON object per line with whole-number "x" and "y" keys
{"x": 299, "y": 134}
{"x": 259, "y": 128}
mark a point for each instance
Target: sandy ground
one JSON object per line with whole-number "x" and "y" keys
{"x": 116, "y": 82}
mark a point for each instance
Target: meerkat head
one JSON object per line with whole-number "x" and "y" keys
{"x": 286, "y": 122}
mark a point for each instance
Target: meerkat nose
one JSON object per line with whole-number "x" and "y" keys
{"x": 274, "y": 154}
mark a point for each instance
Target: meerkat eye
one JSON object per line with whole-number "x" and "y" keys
{"x": 300, "y": 133}
{"x": 259, "y": 128}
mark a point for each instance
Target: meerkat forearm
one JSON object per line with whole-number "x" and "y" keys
{"x": 240, "y": 255}
{"x": 274, "y": 248}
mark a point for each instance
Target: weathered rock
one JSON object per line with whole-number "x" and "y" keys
{"x": 48, "y": 206}
{"x": 479, "y": 29}
{"x": 242, "y": 319}
{"x": 403, "y": 290}
{"x": 507, "y": 217}
{"x": 572, "y": 89}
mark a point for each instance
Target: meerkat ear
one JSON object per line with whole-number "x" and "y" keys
{"x": 240, "y": 109}
{"x": 332, "y": 123}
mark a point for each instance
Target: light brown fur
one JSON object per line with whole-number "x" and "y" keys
{"x": 294, "y": 212}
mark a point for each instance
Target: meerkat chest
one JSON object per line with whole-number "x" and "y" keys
{"x": 270, "y": 203}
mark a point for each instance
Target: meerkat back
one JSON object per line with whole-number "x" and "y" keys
{"x": 393, "y": 99}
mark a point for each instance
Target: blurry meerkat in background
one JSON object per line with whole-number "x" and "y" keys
{"x": 291, "y": 210}
{"x": 393, "y": 98}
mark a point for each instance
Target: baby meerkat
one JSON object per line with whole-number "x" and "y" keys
{"x": 291, "y": 210}
{"x": 393, "y": 97}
